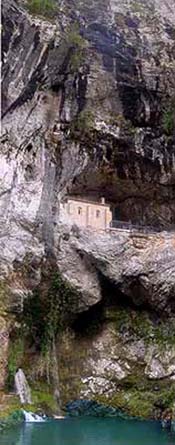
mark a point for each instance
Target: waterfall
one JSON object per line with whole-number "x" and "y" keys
{"x": 22, "y": 387}
{"x": 31, "y": 417}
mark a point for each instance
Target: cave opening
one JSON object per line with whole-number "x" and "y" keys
{"x": 134, "y": 198}
{"x": 112, "y": 296}
{"x": 91, "y": 322}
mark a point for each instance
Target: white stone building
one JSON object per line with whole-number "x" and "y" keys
{"x": 86, "y": 213}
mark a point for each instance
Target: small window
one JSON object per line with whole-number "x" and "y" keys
{"x": 98, "y": 213}
{"x": 79, "y": 210}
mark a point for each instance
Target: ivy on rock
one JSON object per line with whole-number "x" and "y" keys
{"x": 48, "y": 310}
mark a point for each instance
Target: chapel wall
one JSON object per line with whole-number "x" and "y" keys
{"x": 87, "y": 214}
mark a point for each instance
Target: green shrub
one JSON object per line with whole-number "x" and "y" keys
{"x": 83, "y": 124}
{"x": 169, "y": 121}
{"x": 43, "y": 7}
{"x": 168, "y": 116}
{"x": 78, "y": 44}
{"x": 16, "y": 351}
{"x": 4, "y": 299}
{"x": 47, "y": 312}
{"x": 43, "y": 399}
{"x": 74, "y": 38}
{"x": 9, "y": 421}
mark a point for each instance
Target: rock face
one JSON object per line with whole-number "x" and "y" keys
{"x": 139, "y": 266}
{"x": 88, "y": 109}
{"x": 126, "y": 361}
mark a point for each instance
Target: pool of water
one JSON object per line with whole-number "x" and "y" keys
{"x": 88, "y": 431}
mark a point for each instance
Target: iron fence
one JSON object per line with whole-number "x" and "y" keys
{"x": 117, "y": 224}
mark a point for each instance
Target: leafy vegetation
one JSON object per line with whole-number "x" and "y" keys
{"x": 4, "y": 299}
{"x": 43, "y": 399}
{"x": 16, "y": 351}
{"x": 82, "y": 125}
{"x": 47, "y": 312}
{"x": 168, "y": 117}
{"x": 78, "y": 45}
{"x": 11, "y": 417}
{"x": 169, "y": 121}
{"x": 43, "y": 7}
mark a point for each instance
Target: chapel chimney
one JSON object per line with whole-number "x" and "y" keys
{"x": 102, "y": 200}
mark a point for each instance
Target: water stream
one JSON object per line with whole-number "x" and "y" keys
{"x": 88, "y": 431}
{"x": 31, "y": 417}
{"x": 22, "y": 387}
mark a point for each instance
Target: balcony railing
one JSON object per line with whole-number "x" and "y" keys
{"x": 116, "y": 224}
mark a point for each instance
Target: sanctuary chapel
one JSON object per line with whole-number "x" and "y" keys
{"x": 86, "y": 213}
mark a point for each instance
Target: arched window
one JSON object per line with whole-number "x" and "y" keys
{"x": 79, "y": 210}
{"x": 97, "y": 213}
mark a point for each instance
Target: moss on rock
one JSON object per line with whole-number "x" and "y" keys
{"x": 16, "y": 417}
{"x": 146, "y": 403}
{"x": 140, "y": 325}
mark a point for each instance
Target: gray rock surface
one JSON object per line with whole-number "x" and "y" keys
{"x": 88, "y": 109}
{"x": 140, "y": 266}
{"x": 128, "y": 161}
{"x": 121, "y": 363}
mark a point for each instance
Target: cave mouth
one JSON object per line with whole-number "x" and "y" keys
{"x": 90, "y": 323}
{"x": 132, "y": 199}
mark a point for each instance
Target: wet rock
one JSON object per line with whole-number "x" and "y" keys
{"x": 4, "y": 343}
{"x": 173, "y": 419}
{"x": 22, "y": 387}
{"x": 90, "y": 408}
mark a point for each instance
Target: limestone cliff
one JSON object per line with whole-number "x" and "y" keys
{"x": 88, "y": 109}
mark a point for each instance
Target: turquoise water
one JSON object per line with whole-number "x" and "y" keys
{"x": 88, "y": 431}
